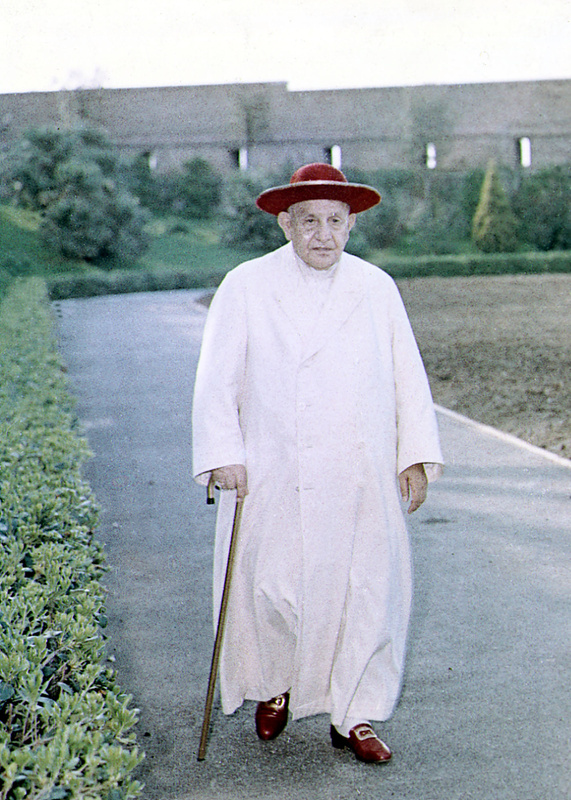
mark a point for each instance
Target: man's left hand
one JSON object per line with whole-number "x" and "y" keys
{"x": 413, "y": 486}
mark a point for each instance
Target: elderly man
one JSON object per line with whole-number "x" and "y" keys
{"x": 312, "y": 404}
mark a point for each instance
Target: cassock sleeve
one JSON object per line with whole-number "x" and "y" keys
{"x": 417, "y": 428}
{"x": 216, "y": 434}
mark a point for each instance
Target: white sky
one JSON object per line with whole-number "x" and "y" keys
{"x": 310, "y": 44}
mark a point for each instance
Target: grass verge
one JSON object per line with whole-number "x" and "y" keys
{"x": 65, "y": 727}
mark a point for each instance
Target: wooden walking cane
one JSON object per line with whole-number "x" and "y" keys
{"x": 221, "y": 620}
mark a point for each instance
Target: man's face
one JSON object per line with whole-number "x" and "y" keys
{"x": 318, "y": 230}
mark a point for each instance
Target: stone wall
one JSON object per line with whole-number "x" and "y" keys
{"x": 465, "y": 125}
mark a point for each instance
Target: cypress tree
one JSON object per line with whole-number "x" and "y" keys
{"x": 494, "y": 227}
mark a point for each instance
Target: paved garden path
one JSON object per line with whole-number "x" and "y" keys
{"x": 485, "y": 709}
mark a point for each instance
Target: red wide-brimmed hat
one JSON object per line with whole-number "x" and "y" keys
{"x": 318, "y": 182}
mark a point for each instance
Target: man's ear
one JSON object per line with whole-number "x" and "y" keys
{"x": 284, "y": 221}
{"x": 352, "y": 220}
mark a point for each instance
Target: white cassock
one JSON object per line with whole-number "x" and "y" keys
{"x": 315, "y": 383}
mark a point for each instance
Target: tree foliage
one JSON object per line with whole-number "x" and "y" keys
{"x": 244, "y": 223}
{"x": 542, "y": 205}
{"x": 75, "y": 178}
{"x": 195, "y": 192}
{"x": 494, "y": 228}
{"x": 200, "y": 189}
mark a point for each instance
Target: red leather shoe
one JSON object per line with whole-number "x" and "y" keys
{"x": 271, "y": 717}
{"x": 364, "y": 743}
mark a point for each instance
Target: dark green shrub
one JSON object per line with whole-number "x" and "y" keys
{"x": 18, "y": 266}
{"x": 157, "y": 192}
{"x": 494, "y": 228}
{"x": 30, "y": 166}
{"x": 140, "y": 180}
{"x": 358, "y": 244}
{"x": 542, "y": 204}
{"x": 77, "y": 180}
{"x": 33, "y": 164}
{"x": 393, "y": 182}
{"x": 420, "y": 212}
{"x": 381, "y": 225}
{"x": 200, "y": 191}
{"x": 194, "y": 192}
{"x": 431, "y": 237}
{"x": 93, "y": 218}
{"x": 5, "y": 281}
{"x": 244, "y": 224}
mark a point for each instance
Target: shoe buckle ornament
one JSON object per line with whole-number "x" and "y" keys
{"x": 363, "y": 732}
{"x": 277, "y": 702}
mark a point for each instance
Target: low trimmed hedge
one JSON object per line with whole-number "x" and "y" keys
{"x": 119, "y": 281}
{"x": 65, "y": 727}
{"x": 466, "y": 265}
{"x": 122, "y": 281}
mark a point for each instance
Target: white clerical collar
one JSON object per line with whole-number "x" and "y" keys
{"x": 311, "y": 273}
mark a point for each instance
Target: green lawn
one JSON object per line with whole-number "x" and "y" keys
{"x": 177, "y": 247}
{"x": 21, "y": 248}
{"x": 191, "y": 246}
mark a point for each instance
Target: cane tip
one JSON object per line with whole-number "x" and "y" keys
{"x": 210, "y": 501}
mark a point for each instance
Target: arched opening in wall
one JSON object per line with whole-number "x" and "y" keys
{"x": 523, "y": 147}
{"x": 430, "y": 156}
{"x": 332, "y": 155}
{"x": 240, "y": 158}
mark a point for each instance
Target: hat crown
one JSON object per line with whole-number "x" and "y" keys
{"x": 318, "y": 172}
{"x": 318, "y": 181}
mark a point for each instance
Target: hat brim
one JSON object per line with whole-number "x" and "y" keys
{"x": 357, "y": 196}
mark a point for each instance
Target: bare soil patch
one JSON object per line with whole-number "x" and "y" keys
{"x": 498, "y": 349}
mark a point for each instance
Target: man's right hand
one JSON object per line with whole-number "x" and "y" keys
{"x": 232, "y": 477}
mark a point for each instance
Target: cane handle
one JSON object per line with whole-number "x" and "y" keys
{"x": 210, "y": 492}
